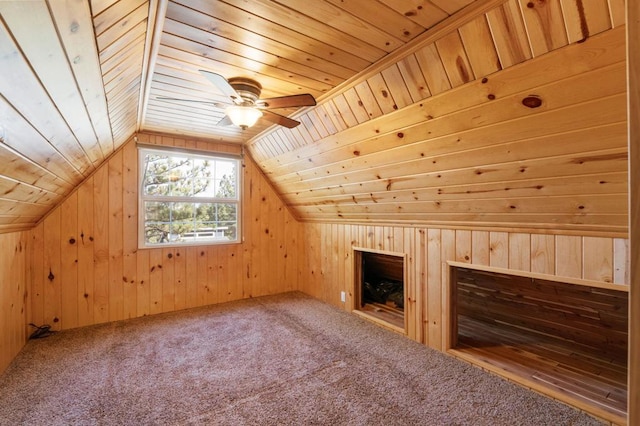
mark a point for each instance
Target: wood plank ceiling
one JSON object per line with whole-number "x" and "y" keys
{"x": 513, "y": 118}
{"x": 80, "y": 77}
{"x": 289, "y": 46}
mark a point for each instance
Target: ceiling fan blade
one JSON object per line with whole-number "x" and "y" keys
{"x": 279, "y": 119}
{"x": 224, "y": 121}
{"x": 216, "y": 104}
{"x": 288, "y": 101}
{"x": 221, "y": 83}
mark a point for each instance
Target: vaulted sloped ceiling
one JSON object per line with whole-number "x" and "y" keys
{"x": 513, "y": 118}
{"x": 79, "y": 77}
{"x": 289, "y": 46}
{"x": 419, "y": 102}
{"x": 66, "y": 104}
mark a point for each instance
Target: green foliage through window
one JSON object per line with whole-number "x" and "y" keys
{"x": 188, "y": 198}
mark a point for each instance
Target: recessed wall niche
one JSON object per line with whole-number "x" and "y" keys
{"x": 380, "y": 293}
{"x": 567, "y": 338}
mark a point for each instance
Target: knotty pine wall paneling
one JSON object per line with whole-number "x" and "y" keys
{"x": 86, "y": 268}
{"x": 503, "y": 132}
{"x": 329, "y": 264}
{"x": 633, "y": 89}
{"x": 14, "y": 305}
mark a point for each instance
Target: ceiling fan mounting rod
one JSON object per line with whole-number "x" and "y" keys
{"x": 247, "y": 88}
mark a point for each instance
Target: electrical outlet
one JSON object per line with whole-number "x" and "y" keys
{"x": 343, "y": 296}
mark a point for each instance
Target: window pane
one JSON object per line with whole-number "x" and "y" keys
{"x": 166, "y": 175}
{"x": 202, "y": 187}
{"x": 155, "y": 182}
{"x": 156, "y": 222}
{"x": 226, "y": 186}
{"x": 178, "y": 222}
{"x": 226, "y": 213}
{"x": 174, "y": 177}
{"x": 226, "y": 179}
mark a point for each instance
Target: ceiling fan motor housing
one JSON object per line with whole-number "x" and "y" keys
{"x": 247, "y": 88}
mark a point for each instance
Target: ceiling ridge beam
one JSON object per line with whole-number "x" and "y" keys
{"x": 155, "y": 26}
{"x": 435, "y": 33}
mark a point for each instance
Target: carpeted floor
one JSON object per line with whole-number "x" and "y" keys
{"x": 285, "y": 360}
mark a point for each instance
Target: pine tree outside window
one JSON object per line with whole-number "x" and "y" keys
{"x": 187, "y": 198}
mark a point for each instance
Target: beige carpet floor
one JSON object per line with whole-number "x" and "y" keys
{"x": 278, "y": 360}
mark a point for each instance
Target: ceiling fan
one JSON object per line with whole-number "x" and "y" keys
{"x": 245, "y": 107}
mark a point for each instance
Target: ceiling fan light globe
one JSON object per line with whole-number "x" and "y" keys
{"x": 243, "y": 116}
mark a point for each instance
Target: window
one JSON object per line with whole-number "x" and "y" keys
{"x": 187, "y": 198}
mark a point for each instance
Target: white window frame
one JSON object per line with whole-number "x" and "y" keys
{"x": 143, "y": 150}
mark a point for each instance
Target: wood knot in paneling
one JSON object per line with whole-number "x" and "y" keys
{"x": 532, "y": 101}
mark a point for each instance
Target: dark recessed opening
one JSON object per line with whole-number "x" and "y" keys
{"x": 380, "y": 290}
{"x": 564, "y": 339}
